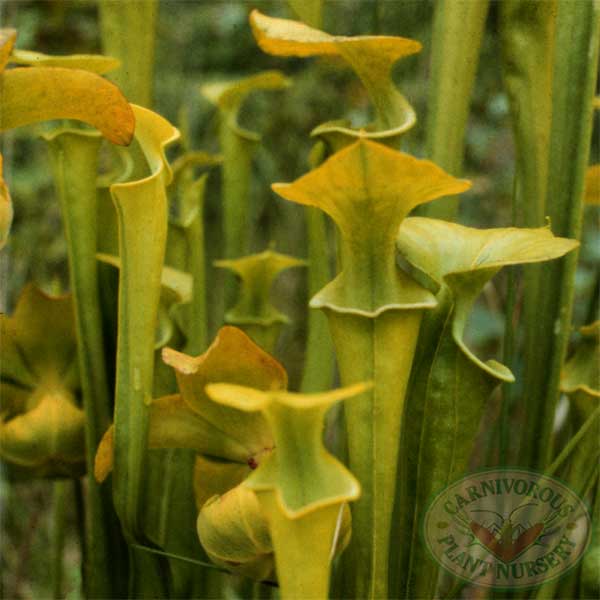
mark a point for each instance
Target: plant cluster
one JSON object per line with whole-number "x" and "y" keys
{"x": 205, "y": 475}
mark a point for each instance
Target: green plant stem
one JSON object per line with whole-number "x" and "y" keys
{"x": 318, "y": 366}
{"x": 59, "y": 511}
{"x": 508, "y": 354}
{"x": 188, "y": 254}
{"x": 589, "y": 582}
{"x": 577, "y": 465}
{"x": 170, "y": 509}
{"x": 238, "y": 151}
{"x": 454, "y": 391}
{"x": 74, "y": 159}
{"x": 528, "y": 36}
{"x": 457, "y": 33}
{"x": 149, "y": 575}
{"x": 197, "y": 325}
{"x": 373, "y": 423}
{"x": 141, "y": 207}
{"x": 568, "y": 450}
{"x": 142, "y": 217}
{"x": 302, "y": 558}
{"x": 509, "y": 345}
{"x": 577, "y": 36}
{"x": 431, "y": 329}
{"x": 128, "y": 33}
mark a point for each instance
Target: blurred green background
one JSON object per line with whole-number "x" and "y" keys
{"x": 199, "y": 41}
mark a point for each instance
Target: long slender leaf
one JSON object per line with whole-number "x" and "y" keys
{"x": 457, "y": 34}
{"x": 577, "y": 36}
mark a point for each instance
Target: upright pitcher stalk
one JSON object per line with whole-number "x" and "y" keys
{"x": 374, "y": 311}
{"x": 74, "y": 156}
{"x": 450, "y": 386}
{"x": 238, "y": 146}
{"x": 301, "y": 488}
{"x": 142, "y": 216}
